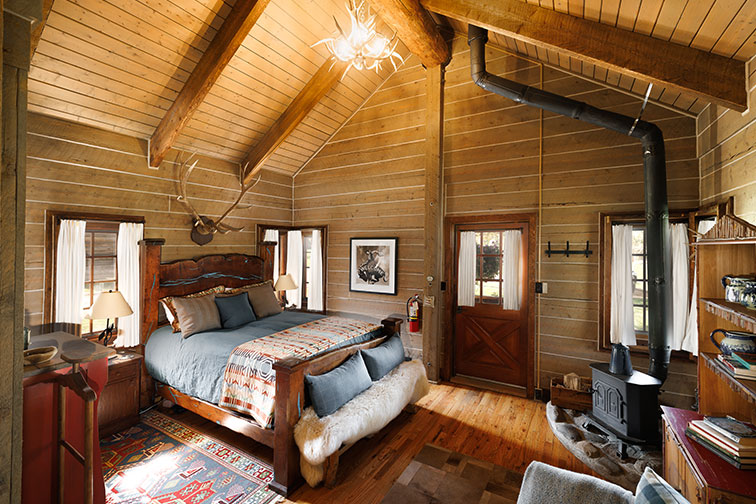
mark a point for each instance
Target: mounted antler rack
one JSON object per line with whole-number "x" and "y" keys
{"x": 586, "y": 252}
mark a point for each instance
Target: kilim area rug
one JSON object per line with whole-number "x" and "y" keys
{"x": 440, "y": 476}
{"x": 161, "y": 461}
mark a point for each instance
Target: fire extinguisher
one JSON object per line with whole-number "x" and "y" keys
{"x": 413, "y": 313}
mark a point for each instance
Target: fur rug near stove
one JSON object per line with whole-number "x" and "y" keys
{"x": 366, "y": 414}
{"x": 599, "y": 451}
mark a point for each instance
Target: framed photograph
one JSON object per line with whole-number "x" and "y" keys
{"x": 372, "y": 265}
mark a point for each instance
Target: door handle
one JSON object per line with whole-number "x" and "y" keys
{"x": 459, "y": 309}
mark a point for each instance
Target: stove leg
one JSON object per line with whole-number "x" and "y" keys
{"x": 622, "y": 450}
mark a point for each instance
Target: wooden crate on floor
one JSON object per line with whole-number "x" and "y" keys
{"x": 563, "y": 397}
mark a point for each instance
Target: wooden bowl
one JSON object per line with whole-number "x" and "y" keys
{"x": 39, "y": 355}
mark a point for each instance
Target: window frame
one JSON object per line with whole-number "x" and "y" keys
{"x": 607, "y": 220}
{"x": 282, "y": 244}
{"x": 52, "y": 227}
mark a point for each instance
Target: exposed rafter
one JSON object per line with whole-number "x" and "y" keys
{"x": 415, "y": 27}
{"x": 315, "y": 89}
{"x": 37, "y": 27}
{"x": 705, "y": 75}
{"x": 226, "y": 42}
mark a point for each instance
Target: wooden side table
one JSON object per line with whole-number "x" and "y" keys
{"x": 700, "y": 475}
{"x": 119, "y": 401}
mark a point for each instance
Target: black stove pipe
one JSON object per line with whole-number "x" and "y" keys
{"x": 655, "y": 175}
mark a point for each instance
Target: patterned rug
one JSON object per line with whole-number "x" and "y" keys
{"x": 440, "y": 476}
{"x": 161, "y": 461}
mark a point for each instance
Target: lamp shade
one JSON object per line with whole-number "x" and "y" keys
{"x": 110, "y": 305}
{"x": 285, "y": 282}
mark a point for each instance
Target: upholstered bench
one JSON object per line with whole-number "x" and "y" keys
{"x": 322, "y": 439}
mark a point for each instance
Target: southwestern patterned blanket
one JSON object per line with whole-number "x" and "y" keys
{"x": 249, "y": 383}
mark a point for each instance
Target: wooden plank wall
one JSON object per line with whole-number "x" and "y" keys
{"x": 726, "y": 148}
{"x": 492, "y": 157}
{"x": 72, "y": 167}
{"x": 368, "y": 182}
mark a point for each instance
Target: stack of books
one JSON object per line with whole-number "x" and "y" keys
{"x": 731, "y": 439}
{"x": 739, "y": 365}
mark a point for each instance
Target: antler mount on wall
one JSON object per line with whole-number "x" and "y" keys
{"x": 203, "y": 227}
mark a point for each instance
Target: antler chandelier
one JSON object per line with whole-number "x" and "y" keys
{"x": 364, "y": 47}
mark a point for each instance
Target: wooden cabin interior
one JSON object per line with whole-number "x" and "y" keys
{"x": 153, "y": 149}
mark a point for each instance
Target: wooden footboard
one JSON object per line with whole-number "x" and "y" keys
{"x": 290, "y": 401}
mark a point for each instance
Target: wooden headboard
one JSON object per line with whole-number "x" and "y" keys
{"x": 185, "y": 276}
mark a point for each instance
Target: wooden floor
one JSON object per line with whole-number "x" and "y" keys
{"x": 498, "y": 428}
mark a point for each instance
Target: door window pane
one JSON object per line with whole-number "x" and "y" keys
{"x": 492, "y": 243}
{"x": 491, "y": 267}
{"x": 491, "y": 292}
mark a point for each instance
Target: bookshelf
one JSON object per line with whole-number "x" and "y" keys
{"x": 728, "y": 248}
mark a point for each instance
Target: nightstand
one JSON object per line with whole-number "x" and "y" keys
{"x": 119, "y": 401}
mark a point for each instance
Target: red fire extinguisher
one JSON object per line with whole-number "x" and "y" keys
{"x": 413, "y": 313}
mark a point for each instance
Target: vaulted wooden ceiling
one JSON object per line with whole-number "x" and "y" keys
{"x": 120, "y": 65}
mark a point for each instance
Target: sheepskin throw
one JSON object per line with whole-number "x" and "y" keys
{"x": 366, "y": 414}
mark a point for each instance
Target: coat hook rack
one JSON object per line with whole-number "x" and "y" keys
{"x": 566, "y": 251}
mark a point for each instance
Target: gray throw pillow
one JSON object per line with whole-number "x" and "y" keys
{"x": 197, "y": 314}
{"x": 383, "y": 358}
{"x": 264, "y": 301}
{"x": 235, "y": 310}
{"x": 331, "y": 390}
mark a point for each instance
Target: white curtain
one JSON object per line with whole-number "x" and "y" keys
{"x": 70, "y": 266}
{"x": 271, "y": 235}
{"x": 622, "y": 328}
{"x": 511, "y": 272}
{"x": 127, "y": 257}
{"x": 294, "y": 266}
{"x": 466, "y": 269}
{"x": 690, "y": 339}
{"x": 680, "y": 268}
{"x": 315, "y": 300}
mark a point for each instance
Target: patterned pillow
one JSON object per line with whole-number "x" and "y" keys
{"x": 652, "y": 489}
{"x": 197, "y": 314}
{"x": 170, "y": 310}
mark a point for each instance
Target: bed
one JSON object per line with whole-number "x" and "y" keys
{"x": 171, "y": 362}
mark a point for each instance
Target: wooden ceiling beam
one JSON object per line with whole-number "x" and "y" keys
{"x": 415, "y": 27}
{"x": 224, "y": 45}
{"x": 315, "y": 89}
{"x": 708, "y": 76}
{"x": 39, "y": 26}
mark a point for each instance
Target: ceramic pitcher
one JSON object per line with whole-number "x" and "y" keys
{"x": 735, "y": 341}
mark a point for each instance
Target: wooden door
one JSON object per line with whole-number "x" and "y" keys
{"x": 491, "y": 342}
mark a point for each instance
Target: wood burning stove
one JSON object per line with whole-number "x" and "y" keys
{"x": 628, "y": 405}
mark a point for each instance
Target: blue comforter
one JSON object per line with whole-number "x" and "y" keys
{"x": 195, "y": 365}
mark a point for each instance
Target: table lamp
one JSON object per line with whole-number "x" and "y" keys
{"x": 284, "y": 283}
{"x": 109, "y": 305}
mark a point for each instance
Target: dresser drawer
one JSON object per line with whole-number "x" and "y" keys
{"x": 123, "y": 371}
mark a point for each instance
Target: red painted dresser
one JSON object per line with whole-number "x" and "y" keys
{"x": 40, "y": 459}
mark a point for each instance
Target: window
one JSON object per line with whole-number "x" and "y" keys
{"x": 307, "y": 254}
{"x": 101, "y": 265}
{"x": 639, "y": 269}
{"x": 307, "y": 284}
{"x": 101, "y": 269}
{"x": 488, "y": 267}
{"x": 640, "y": 280}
